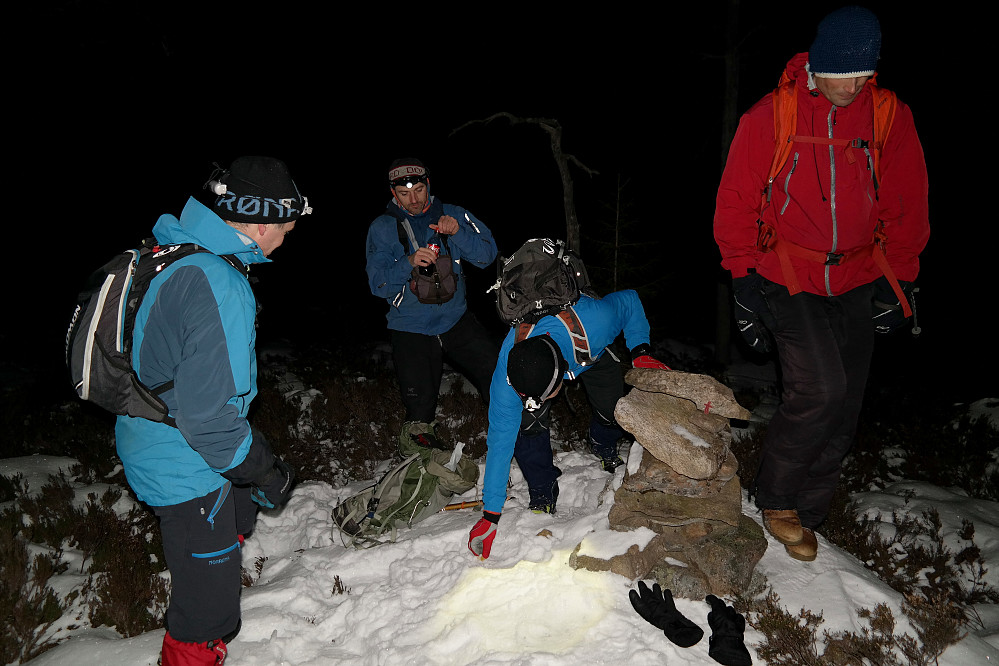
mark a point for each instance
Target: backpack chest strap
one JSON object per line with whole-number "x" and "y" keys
{"x": 848, "y": 144}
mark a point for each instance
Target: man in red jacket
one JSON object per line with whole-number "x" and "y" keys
{"x": 822, "y": 252}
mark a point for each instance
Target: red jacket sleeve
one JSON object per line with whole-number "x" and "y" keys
{"x": 737, "y": 205}
{"x": 903, "y": 201}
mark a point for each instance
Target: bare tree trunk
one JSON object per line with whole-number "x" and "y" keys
{"x": 554, "y": 130}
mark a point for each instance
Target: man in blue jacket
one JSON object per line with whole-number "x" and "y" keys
{"x": 399, "y": 243}
{"x": 195, "y": 327}
{"x": 528, "y": 375}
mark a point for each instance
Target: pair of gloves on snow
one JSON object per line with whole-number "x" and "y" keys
{"x": 727, "y": 626}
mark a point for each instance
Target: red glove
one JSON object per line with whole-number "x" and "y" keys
{"x": 480, "y": 539}
{"x": 641, "y": 357}
{"x": 649, "y": 362}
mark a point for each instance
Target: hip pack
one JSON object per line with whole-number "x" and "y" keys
{"x": 435, "y": 284}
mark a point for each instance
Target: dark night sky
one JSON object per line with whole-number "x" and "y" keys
{"x": 121, "y": 107}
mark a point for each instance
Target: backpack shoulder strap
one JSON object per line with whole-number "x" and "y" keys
{"x": 577, "y": 333}
{"x": 885, "y": 104}
{"x": 785, "y": 101}
{"x": 406, "y": 234}
{"x": 402, "y": 225}
{"x": 523, "y": 329}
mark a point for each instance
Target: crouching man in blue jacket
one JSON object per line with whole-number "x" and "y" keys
{"x": 195, "y": 328}
{"x": 528, "y": 375}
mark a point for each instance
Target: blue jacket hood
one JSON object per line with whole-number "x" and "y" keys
{"x": 198, "y": 224}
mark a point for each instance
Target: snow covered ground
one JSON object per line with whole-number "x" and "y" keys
{"x": 426, "y": 600}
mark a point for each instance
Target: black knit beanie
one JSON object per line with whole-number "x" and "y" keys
{"x": 534, "y": 368}
{"x": 847, "y": 45}
{"x": 256, "y": 190}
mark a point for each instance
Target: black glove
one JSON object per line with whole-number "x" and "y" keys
{"x": 726, "y": 644}
{"x": 750, "y": 306}
{"x": 657, "y": 608}
{"x": 886, "y": 308}
{"x": 270, "y": 478}
{"x": 273, "y": 488}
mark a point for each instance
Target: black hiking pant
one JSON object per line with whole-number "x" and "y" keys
{"x": 824, "y": 345}
{"x": 419, "y": 363}
{"x": 201, "y": 544}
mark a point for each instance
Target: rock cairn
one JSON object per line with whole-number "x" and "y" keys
{"x": 684, "y": 488}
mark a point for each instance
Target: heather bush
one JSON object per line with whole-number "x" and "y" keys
{"x": 28, "y": 605}
{"x": 794, "y": 640}
{"x": 126, "y": 589}
{"x": 121, "y": 551}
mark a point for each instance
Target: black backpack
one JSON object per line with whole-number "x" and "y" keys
{"x": 99, "y": 338}
{"x": 542, "y": 278}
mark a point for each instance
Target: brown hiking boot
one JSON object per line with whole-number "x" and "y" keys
{"x": 783, "y": 525}
{"x": 807, "y": 549}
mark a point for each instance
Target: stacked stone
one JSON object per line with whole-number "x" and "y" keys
{"x": 685, "y": 488}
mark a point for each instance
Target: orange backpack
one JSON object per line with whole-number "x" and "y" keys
{"x": 785, "y": 103}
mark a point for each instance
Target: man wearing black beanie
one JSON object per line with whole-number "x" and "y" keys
{"x": 825, "y": 259}
{"x": 203, "y": 469}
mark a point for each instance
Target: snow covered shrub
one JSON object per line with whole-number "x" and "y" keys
{"x": 921, "y": 438}
{"x": 28, "y": 605}
{"x": 941, "y": 584}
{"x": 125, "y": 590}
{"x": 334, "y": 426}
{"x": 50, "y": 513}
{"x": 336, "y": 417}
{"x": 123, "y": 552}
{"x": 464, "y": 418}
{"x": 571, "y": 418}
{"x": 914, "y": 560}
{"x": 793, "y": 640}
{"x": 55, "y": 422}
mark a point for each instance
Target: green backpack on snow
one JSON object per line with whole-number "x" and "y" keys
{"x": 417, "y": 487}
